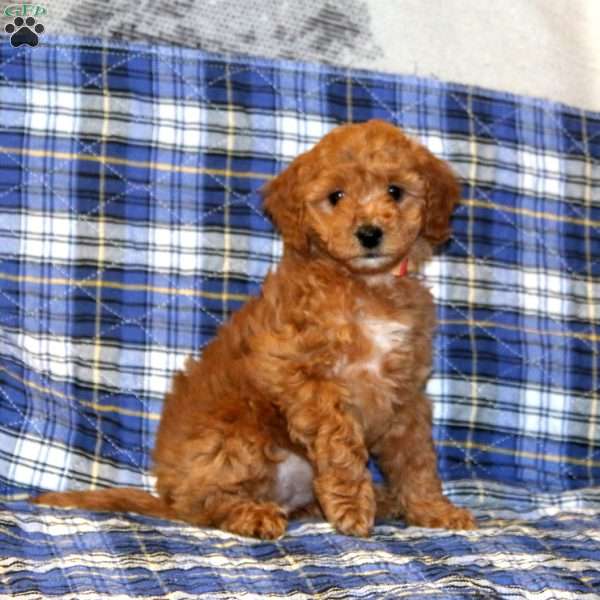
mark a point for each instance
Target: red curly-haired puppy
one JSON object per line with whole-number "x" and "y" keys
{"x": 327, "y": 365}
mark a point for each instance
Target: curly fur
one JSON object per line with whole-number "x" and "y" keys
{"x": 327, "y": 365}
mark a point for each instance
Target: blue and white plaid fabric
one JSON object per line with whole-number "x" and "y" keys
{"x": 130, "y": 228}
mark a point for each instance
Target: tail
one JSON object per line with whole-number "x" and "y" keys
{"x": 111, "y": 500}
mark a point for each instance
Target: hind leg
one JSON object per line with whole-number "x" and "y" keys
{"x": 224, "y": 478}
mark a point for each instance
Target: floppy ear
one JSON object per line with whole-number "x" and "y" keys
{"x": 442, "y": 195}
{"x": 285, "y": 209}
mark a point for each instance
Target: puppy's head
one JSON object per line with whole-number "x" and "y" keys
{"x": 363, "y": 196}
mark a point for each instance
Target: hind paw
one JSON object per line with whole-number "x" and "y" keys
{"x": 266, "y": 521}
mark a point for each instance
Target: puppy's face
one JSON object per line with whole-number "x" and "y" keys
{"x": 363, "y": 195}
{"x": 364, "y": 201}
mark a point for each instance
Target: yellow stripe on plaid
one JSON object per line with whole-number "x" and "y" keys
{"x": 100, "y": 407}
{"x": 101, "y": 240}
{"x": 114, "y": 160}
{"x": 94, "y": 283}
{"x": 491, "y": 324}
{"x": 537, "y": 214}
{"x": 581, "y": 462}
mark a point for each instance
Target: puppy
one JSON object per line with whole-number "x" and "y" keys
{"x": 327, "y": 365}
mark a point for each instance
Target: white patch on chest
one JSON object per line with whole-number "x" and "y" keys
{"x": 385, "y": 335}
{"x": 294, "y": 483}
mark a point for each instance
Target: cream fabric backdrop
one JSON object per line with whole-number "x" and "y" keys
{"x": 547, "y": 48}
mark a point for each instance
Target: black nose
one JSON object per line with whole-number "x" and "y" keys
{"x": 369, "y": 235}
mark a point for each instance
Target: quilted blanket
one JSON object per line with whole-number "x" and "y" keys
{"x": 130, "y": 228}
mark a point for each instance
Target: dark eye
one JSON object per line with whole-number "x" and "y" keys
{"x": 335, "y": 197}
{"x": 395, "y": 192}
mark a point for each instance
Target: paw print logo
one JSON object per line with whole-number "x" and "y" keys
{"x": 24, "y": 31}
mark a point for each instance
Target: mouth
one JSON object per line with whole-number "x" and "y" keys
{"x": 371, "y": 255}
{"x": 371, "y": 260}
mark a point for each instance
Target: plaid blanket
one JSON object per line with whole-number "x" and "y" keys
{"x": 130, "y": 228}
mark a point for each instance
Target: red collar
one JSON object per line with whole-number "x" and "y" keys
{"x": 402, "y": 269}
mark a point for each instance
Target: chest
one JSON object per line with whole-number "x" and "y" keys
{"x": 372, "y": 374}
{"x": 382, "y": 338}
{"x": 393, "y": 336}
{"x": 389, "y": 363}
{"x": 381, "y": 347}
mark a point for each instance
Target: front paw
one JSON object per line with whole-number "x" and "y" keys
{"x": 348, "y": 506}
{"x": 440, "y": 514}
